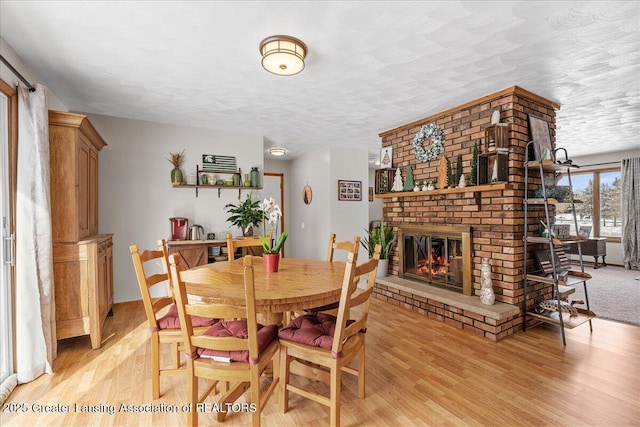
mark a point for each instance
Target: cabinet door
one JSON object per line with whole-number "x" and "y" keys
{"x": 92, "y": 199}
{"x": 193, "y": 255}
{"x": 83, "y": 185}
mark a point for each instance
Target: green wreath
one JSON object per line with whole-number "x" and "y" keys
{"x": 435, "y": 134}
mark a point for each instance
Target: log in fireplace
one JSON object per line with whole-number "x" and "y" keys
{"x": 436, "y": 255}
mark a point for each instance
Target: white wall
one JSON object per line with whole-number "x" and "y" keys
{"x": 614, "y": 249}
{"x": 348, "y": 218}
{"x": 53, "y": 103}
{"x": 136, "y": 198}
{"x": 309, "y": 227}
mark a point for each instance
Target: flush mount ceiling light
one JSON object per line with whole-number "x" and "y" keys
{"x": 283, "y": 55}
{"x": 277, "y": 151}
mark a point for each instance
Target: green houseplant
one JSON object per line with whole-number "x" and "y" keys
{"x": 245, "y": 214}
{"x": 386, "y": 238}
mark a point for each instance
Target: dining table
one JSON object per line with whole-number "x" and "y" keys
{"x": 297, "y": 285}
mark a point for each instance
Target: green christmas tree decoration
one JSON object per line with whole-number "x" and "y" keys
{"x": 449, "y": 175}
{"x": 458, "y": 169}
{"x": 474, "y": 165}
{"x": 408, "y": 182}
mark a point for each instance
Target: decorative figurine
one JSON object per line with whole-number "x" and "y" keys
{"x": 462, "y": 182}
{"x": 487, "y": 295}
{"x": 397, "y": 181}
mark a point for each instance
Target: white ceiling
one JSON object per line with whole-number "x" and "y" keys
{"x": 371, "y": 66}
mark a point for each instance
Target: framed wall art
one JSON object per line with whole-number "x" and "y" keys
{"x": 539, "y": 132}
{"x": 386, "y": 157}
{"x": 371, "y": 194}
{"x": 350, "y": 191}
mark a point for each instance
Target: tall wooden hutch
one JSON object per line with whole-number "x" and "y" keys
{"x": 82, "y": 258}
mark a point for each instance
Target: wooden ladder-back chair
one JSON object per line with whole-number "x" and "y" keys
{"x": 326, "y": 356}
{"x": 232, "y": 351}
{"x": 245, "y": 242}
{"x": 164, "y": 329}
{"x": 349, "y": 247}
{"x": 346, "y": 245}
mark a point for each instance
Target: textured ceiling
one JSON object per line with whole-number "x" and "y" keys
{"x": 371, "y": 66}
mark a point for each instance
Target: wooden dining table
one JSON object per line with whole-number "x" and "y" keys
{"x": 298, "y": 284}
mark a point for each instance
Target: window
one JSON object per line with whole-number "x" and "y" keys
{"x": 600, "y": 193}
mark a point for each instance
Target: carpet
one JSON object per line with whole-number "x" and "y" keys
{"x": 614, "y": 293}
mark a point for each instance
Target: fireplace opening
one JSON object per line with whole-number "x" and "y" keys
{"x": 437, "y": 255}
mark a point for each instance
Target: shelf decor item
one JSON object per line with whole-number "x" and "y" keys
{"x": 487, "y": 296}
{"x": 255, "y": 177}
{"x": 212, "y": 162}
{"x": 177, "y": 160}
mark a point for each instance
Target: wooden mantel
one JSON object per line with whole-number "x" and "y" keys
{"x": 469, "y": 189}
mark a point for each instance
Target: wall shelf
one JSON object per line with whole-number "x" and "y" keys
{"x": 219, "y": 187}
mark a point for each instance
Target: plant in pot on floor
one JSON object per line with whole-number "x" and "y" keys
{"x": 245, "y": 215}
{"x": 385, "y": 237}
{"x": 271, "y": 213}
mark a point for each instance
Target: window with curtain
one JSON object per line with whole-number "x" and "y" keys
{"x": 600, "y": 192}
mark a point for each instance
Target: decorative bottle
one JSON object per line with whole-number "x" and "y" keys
{"x": 486, "y": 292}
{"x": 255, "y": 177}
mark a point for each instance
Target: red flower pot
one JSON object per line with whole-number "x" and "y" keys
{"x": 271, "y": 262}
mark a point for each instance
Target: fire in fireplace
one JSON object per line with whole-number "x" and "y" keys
{"x": 436, "y": 255}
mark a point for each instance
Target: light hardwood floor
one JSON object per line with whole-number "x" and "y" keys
{"x": 419, "y": 372}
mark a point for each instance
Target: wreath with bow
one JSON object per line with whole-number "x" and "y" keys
{"x": 435, "y": 134}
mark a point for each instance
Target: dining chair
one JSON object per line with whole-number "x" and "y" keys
{"x": 346, "y": 245}
{"x": 235, "y": 352}
{"x": 322, "y": 345}
{"x": 349, "y": 247}
{"x": 164, "y": 327}
{"x": 245, "y": 242}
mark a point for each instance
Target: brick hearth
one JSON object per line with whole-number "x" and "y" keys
{"x": 496, "y": 216}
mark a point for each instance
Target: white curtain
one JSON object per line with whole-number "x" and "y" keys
{"x": 36, "y": 345}
{"x": 631, "y": 213}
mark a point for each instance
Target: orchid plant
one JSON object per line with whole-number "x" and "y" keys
{"x": 271, "y": 213}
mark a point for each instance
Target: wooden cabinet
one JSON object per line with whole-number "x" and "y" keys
{"x": 83, "y": 274}
{"x": 73, "y": 151}
{"x": 82, "y": 259}
{"x": 194, "y": 254}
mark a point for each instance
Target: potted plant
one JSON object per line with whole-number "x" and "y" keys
{"x": 177, "y": 160}
{"x": 245, "y": 214}
{"x": 385, "y": 237}
{"x": 271, "y": 213}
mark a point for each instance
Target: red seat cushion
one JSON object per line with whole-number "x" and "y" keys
{"x": 311, "y": 329}
{"x": 171, "y": 320}
{"x": 238, "y": 329}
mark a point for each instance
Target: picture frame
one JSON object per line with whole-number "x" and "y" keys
{"x": 540, "y": 133}
{"x": 371, "y": 194}
{"x": 584, "y": 231}
{"x": 386, "y": 157}
{"x": 350, "y": 191}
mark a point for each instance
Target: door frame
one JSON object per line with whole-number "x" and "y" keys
{"x": 12, "y": 152}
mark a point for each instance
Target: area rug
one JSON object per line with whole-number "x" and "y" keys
{"x": 614, "y": 293}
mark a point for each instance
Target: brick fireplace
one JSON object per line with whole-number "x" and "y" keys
{"x": 493, "y": 213}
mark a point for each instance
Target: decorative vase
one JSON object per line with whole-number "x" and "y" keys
{"x": 383, "y": 267}
{"x": 255, "y": 177}
{"x": 247, "y": 182}
{"x": 486, "y": 292}
{"x": 271, "y": 262}
{"x": 176, "y": 176}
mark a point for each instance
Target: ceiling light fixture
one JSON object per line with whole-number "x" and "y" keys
{"x": 277, "y": 151}
{"x": 283, "y": 55}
